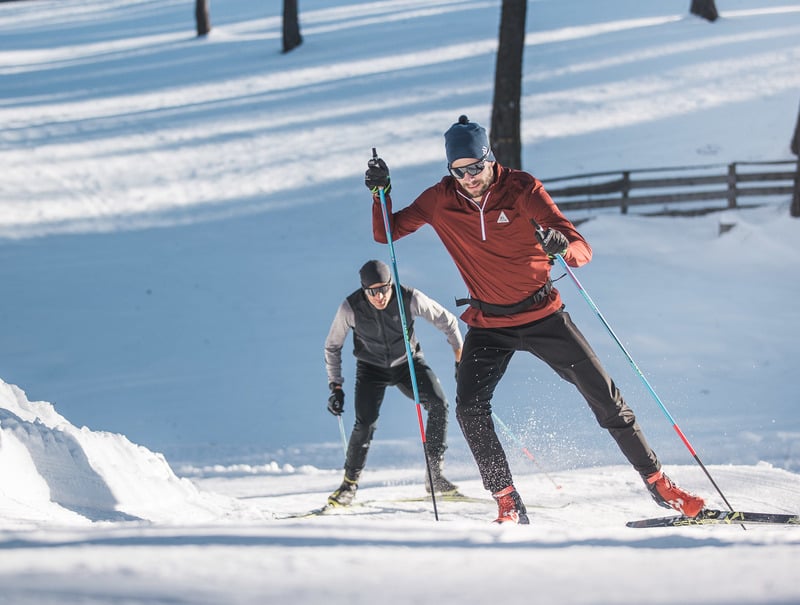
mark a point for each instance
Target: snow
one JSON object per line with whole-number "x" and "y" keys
{"x": 180, "y": 218}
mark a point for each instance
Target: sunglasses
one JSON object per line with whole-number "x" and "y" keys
{"x": 379, "y": 290}
{"x": 473, "y": 169}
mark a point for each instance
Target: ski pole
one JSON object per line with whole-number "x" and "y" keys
{"x": 635, "y": 367}
{"x": 524, "y": 449}
{"x": 341, "y": 432}
{"x": 406, "y": 339}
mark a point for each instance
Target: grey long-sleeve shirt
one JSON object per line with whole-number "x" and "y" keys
{"x": 377, "y": 334}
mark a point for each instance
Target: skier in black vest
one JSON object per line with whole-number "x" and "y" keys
{"x": 373, "y": 314}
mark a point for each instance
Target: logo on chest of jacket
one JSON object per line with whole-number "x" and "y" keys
{"x": 503, "y": 218}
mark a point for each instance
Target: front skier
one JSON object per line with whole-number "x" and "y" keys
{"x": 482, "y": 213}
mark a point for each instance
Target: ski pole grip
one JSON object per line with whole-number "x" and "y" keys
{"x": 374, "y": 162}
{"x": 539, "y": 231}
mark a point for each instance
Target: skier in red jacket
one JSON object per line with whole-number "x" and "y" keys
{"x": 482, "y": 212}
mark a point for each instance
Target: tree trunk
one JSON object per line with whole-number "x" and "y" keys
{"x": 201, "y": 17}
{"x": 291, "y": 26}
{"x": 705, "y": 9}
{"x": 795, "y": 147}
{"x": 505, "y": 127}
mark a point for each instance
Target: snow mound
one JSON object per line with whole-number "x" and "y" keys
{"x": 51, "y": 471}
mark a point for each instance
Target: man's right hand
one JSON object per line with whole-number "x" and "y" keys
{"x": 377, "y": 176}
{"x": 336, "y": 400}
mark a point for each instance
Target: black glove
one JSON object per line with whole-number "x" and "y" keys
{"x": 377, "y": 176}
{"x": 553, "y": 242}
{"x": 336, "y": 400}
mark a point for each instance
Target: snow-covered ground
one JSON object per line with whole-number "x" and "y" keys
{"x": 179, "y": 219}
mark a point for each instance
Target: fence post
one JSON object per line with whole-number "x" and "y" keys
{"x": 795, "y": 208}
{"x": 626, "y": 187}
{"x": 732, "y": 185}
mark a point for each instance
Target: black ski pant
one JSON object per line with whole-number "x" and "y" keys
{"x": 558, "y": 342}
{"x": 371, "y": 382}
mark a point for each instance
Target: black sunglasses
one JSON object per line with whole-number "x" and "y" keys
{"x": 473, "y": 169}
{"x": 379, "y": 290}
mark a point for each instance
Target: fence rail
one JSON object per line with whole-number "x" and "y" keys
{"x": 680, "y": 186}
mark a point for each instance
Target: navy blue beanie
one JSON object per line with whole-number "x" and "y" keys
{"x": 374, "y": 272}
{"x": 466, "y": 139}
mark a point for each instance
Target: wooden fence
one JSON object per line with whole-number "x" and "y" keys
{"x": 679, "y": 190}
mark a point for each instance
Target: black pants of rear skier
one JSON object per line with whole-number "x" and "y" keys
{"x": 371, "y": 383}
{"x": 558, "y": 342}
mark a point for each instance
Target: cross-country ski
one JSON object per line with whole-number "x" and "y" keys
{"x": 718, "y": 517}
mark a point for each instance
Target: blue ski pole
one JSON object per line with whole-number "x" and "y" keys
{"x": 540, "y": 236}
{"x": 404, "y": 324}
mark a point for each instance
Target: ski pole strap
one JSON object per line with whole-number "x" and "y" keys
{"x": 534, "y": 300}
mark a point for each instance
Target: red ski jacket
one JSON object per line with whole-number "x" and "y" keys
{"x": 493, "y": 244}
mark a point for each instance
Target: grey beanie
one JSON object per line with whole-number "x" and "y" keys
{"x": 374, "y": 272}
{"x": 466, "y": 139}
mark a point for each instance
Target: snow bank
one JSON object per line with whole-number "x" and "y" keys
{"x": 51, "y": 471}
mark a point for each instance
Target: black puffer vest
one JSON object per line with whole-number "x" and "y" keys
{"x": 378, "y": 335}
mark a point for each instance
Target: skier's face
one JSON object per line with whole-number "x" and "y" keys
{"x": 379, "y": 295}
{"x": 475, "y": 185}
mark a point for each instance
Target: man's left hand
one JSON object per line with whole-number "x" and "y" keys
{"x": 553, "y": 242}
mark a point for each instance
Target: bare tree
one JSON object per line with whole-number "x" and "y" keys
{"x": 795, "y": 147}
{"x": 705, "y": 9}
{"x": 505, "y": 127}
{"x": 201, "y": 17}
{"x": 291, "y": 26}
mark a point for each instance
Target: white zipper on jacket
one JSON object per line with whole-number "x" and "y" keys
{"x": 480, "y": 208}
